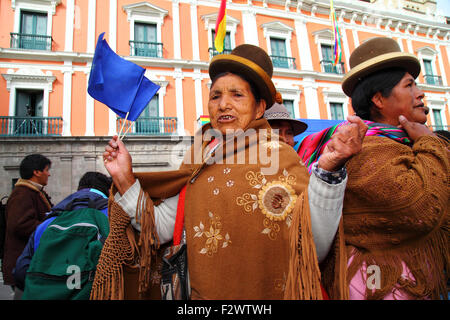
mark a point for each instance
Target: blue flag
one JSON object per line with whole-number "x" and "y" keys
{"x": 118, "y": 83}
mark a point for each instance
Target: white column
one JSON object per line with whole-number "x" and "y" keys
{"x": 409, "y": 45}
{"x": 176, "y": 29}
{"x": 346, "y": 48}
{"x": 67, "y": 99}
{"x": 303, "y": 45}
{"x": 441, "y": 65}
{"x": 70, "y": 14}
{"x": 355, "y": 37}
{"x": 91, "y": 39}
{"x": 112, "y": 41}
{"x": 194, "y": 31}
{"x": 311, "y": 99}
{"x": 198, "y": 94}
{"x": 250, "y": 27}
{"x": 178, "y": 75}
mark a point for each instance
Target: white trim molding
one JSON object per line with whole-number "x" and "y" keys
{"x": 335, "y": 95}
{"x": 147, "y": 13}
{"x": 28, "y": 79}
{"x": 277, "y": 30}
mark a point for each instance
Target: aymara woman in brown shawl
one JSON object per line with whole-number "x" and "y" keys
{"x": 244, "y": 196}
{"x": 395, "y": 216}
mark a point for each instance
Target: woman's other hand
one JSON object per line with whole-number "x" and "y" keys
{"x": 118, "y": 162}
{"x": 414, "y": 129}
{"x": 344, "y": 143}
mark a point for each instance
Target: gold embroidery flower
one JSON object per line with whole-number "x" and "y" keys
{"x": 213, "y": 236}
{"x": 212, "y": 241}
{"x": 276, "y": 200}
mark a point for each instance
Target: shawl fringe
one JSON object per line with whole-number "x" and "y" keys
{"x": 303, "y": 280}
{"x": 426, "y": 263}
{"x": 121, "y": 249}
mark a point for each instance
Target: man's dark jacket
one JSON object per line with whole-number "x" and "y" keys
{"x": 25, "y": 210}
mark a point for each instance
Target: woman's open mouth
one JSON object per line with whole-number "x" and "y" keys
{"x": 226, "y": 118}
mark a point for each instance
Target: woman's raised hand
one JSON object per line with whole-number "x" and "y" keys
{"x": 344, "y": 143}
{"x": 118, "y": 163}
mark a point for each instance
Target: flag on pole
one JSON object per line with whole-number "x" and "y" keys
{"x": 337, "y": 36}
{"x": 118, "y": 83}
{"x": 221, "y": 25}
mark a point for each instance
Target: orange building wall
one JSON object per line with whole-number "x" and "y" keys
{"x": 6, "y": 21}
{"x": 185, "y": 31}
{"x": 78, "y": 112}
{"x": 170, "y": 99}
{"x": 189, "y": 105}
{"x": 55, "y": 103}
{"x": 80, "y": 26}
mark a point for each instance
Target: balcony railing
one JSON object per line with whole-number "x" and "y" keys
{"x": 283, "y": 62}
{"x": 31, "y": 126}
{"x": 150, "y": 126}
{"x": 432, "y": 79}
{"x": 327, "y": 67}
{"x": 31, "y": 41}
{"x": 214, "y": 52}
{"x": 146, "y": 49}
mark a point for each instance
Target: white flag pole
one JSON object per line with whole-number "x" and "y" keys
{"x": 123, "y": 124}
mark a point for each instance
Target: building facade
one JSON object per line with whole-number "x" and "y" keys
{"x": 47, "y": 47}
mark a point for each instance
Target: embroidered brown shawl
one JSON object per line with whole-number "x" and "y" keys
{"x": 248, "y": 233}
{"x": 395, "y": 210}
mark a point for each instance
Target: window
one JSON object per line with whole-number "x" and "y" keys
{"x": 325, "y": 44}
{"x": 227, "y": 44}
{"x": 428, "y": 55}
{"x": 32, "y": 33}
{"x": 328, "y": 60}
{"x": 278, "y": 36}
{"x": 337, "y": 111}
{"x": 437, "y": 117}
{"x": 148, "y": 121}
{"x": 210, "y": 27}
{"x": 429, "y": 76}
{"x": 279, "y": 55}
{"x": 28, "y": 112}
{"x": 33, "y": 24}
{"x": 145, "y": 42}
{"x": 289, "y": 104}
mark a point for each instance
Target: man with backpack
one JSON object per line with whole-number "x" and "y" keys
{"x": 60, "y": 258}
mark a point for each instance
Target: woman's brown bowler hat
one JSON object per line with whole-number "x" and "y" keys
{"x": 376, "y": 54}
{"x": 253, "y": 64}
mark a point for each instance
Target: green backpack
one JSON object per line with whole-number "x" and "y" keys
{"x": 63, "y": 266}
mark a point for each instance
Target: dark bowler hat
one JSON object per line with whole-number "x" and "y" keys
{"x": 377, "y": 54}
{"x": 253, "y": 64}
{"x": 279, "y": 112}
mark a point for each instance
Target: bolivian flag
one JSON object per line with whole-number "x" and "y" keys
{"x": 221, "y": 26}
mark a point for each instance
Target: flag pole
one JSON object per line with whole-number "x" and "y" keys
{"x": 123, "y": 124}
{"x": 126, "y": 131}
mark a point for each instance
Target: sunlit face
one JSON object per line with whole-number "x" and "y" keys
{"x": 232, "y": 105}
{"x": 405, "y": 99}
{"x": 285, "y": 131}
{"x": 42, "y": 176}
